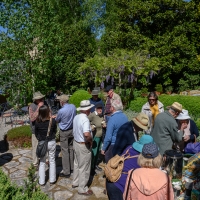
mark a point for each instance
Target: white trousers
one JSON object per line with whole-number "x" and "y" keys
{"x": 52, "y": 164}
{"x": 34, "y": 147}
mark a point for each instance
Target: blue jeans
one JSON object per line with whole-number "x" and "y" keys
{"x": 114, "y": 193}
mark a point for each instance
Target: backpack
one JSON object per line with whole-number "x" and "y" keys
{"x": 114, "y": 167}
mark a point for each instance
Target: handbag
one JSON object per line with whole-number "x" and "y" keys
{"x": 42, "y": 146}
{"x": 192, "y": 147}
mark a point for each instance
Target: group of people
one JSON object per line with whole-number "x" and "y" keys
{"x": 105, "y": 129}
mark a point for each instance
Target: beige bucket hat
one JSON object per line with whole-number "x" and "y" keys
{"x": 142, "y": 121}
{"x": 63, "y": 98}
{"x": 38, "y": 95}
{"x": 176, "y": 106}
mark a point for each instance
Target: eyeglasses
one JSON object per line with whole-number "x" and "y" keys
{"x": 152, "y": 99}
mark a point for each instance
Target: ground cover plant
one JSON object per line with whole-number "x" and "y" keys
{"x": 20, "y": 136}
{"x": 10, "y": 191}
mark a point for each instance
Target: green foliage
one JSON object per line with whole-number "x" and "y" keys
{"x": 20, "y": 136}
{"x": 126, "y": 95}
{"x": 197, "y": 121}
{"x": 136, "y": 93}
{"x": 21, "y": 131}
{"x": 11, "y": 191}
{"x": 169, "y": 88}
{"x": 190, "y": 103}
{"x": 78, "y": 96}
{"x": 124, "y": 67}
{"x": 168, "y": 30}
{"x": 189, "y": 81}
{"x": 144, "y": 91}
{"x": 159, "y": 88}
{"x": 130, "y": 114}
{"x": 43, "y": 46}
{"x": 31, "y": 183}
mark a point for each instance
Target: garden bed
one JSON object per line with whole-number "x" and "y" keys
{"x": 19, "y": 137}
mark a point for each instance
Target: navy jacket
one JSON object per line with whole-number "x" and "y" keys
{"x": 96, "y": 102}
{"x": 124, "y": 138}
{"x": 194, "y": 130}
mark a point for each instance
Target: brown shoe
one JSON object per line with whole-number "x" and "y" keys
{"x": 88, "y": 193}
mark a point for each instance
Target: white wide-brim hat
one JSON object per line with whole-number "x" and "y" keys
{"x": 85, "y": 105}
{"x": 183, "y": 115}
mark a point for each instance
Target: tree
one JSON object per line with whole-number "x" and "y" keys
{"x": 50, "y": 38}
{"x": 168, "y": 30}
{"x": 120, "y": 67}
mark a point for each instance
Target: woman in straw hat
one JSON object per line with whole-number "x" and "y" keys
{"x": 148, "y": 182}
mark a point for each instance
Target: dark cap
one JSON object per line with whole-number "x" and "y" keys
{"x": 150, "y": 150}
{"x": 98, "y": 105}
{"x": 108, "y": 88}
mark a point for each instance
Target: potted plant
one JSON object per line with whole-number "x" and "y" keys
{"x": 159, "y": 89}
{"x": 144, "y": 92}
{"x": 169, "y": 89}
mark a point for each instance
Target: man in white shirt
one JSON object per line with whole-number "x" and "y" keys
{"x": 82, "y": 148}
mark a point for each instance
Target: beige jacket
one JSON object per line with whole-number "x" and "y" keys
{"x": 148, "y": 184}
{"x": 146, "y": 110}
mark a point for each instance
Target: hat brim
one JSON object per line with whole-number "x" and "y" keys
{"x": 168, "y": 107}
{"x": 85, "y": 108}
{"x": 63, "y": 100}
{"x": 139, "y": 124}
{"x": 38, "y": 97}
{"x": 182, "y": 118}
{"x": 94, "y": 94}
{"x": 137, "y": 146}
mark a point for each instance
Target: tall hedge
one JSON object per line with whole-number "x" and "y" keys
{"x": 190, "y": 103}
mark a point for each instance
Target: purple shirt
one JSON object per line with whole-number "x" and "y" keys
{"x": 128, "y": 165}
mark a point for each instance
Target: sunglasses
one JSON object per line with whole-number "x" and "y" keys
{"x": 152, "y": 99}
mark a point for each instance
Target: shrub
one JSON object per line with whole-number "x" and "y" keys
{"x": 20, "y": 136}
{"x": 78, "y": 96}
{"x": 130, "y": 114}
{"x": 10, "y": 191}
{"x": 169, "y": 88}
{"x": 190, "y": 103}
{"x": 159, "y": 88}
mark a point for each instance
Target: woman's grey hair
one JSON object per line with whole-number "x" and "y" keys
{"x": 117, "y": 105}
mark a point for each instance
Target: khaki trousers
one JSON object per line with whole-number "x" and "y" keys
{"x": 34, "y": 146}
{"x": 82, "y": 166}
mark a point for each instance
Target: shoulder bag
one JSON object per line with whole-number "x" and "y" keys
{"x": 42, "y": 146}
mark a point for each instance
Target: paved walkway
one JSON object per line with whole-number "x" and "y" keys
{"x": 15, "y": 164}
